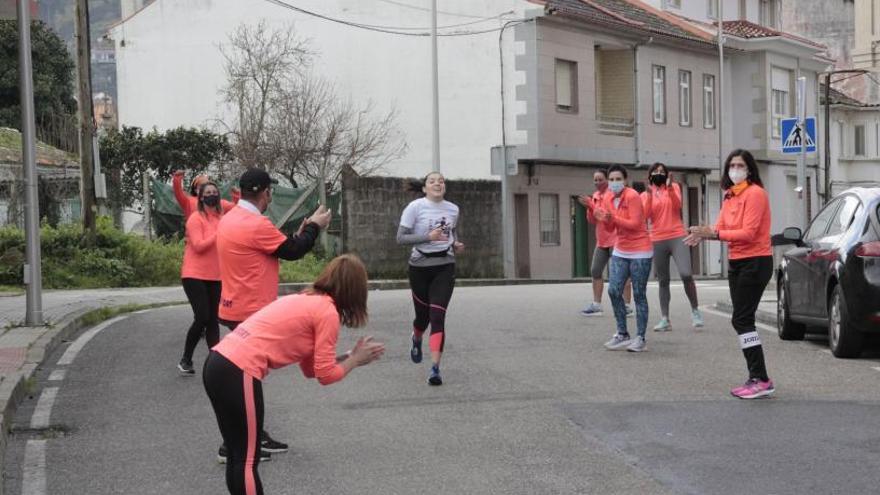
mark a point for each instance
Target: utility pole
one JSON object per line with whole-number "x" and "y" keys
{"x": 435, "y": 85}
{"x": 803, "y": 193}
{"x": 86, "y": 118}
{"x": 33, "y": 277}
{"x": 721, "y": 122}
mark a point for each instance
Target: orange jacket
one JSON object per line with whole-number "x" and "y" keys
{"x": 665, "y": 212}
{"x": 605, "y": 235}
{"x": 744, "y": 223}
{"x": 628, "y": 219}
{"x": 200, "y": 259}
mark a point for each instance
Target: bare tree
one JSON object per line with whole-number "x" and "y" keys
{"x": 260, "y": 62}
{"x": 291, "y": 121}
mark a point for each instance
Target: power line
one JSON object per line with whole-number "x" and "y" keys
{"x": 381, "y": 29}
{"x": 425, "y": 9}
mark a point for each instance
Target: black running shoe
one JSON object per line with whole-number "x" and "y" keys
{"x": 434, "y": 378}
{"x": 222, "y": 453}
{"x": 415, "y": 353}
{"x": 269, "y": 444}
{"x": 186, "y": 368}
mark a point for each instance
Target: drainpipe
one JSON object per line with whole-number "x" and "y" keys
{"x": 636, "y": 119}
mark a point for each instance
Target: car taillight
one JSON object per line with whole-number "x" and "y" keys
{"x": 871, "y": 249}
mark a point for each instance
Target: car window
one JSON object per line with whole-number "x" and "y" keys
{"x": 819, "y": 224}
{"x": 844, "y": 216}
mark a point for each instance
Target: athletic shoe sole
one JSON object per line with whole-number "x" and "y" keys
{"x": 594, "y": 313}
{"x": 222, "y": 460}
{"x": 274, "y": 450}
{"x": 759, "y": 395}
{"x": 185, "y": 372}
{"x": 435, "y": 381}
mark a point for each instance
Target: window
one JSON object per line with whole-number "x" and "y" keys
{"x": 873, "y": 18}
{"x": 859, "y": 140}
{"x": 566, "y": 86}
{"x": 844, "y": 216}
{"x": 767, "y": 13}
{"x": 708, "y": 101}
{"x": 548, "y": 209}
{"x": 673, "y": 3}
{"x": 712, "y": 9}
{"x": 659, "y": 89}
{"x": 780, "y": 99}
{"x": 817, "y": 227}
{"x": 684, "y": 98}
{"x": 742, "y": 10}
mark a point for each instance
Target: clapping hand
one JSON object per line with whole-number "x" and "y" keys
{"x": 321, "y": 217}
{"x": 365, "y": 351}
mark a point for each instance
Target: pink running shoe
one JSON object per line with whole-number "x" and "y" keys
{"x": 753, "y": 389}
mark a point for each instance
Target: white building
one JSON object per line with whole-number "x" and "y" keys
{"x": 170, "y": 68}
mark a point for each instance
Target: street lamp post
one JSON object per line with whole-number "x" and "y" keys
{"x": 435, "y": 96}
{"x": 32, "y": 269}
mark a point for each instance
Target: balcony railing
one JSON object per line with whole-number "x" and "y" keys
{"x": 615, "y": 126}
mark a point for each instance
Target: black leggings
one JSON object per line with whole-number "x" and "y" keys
{"x": 748, "y": 277}
{"x": 431, "y": 290}
{"x": 204, "y": 297}
{"x": 237, "y": 399}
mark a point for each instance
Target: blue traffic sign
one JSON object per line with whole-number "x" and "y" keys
{"x": 794, "y": 137}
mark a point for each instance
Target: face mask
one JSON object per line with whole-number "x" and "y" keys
{"x": 211, "y": 200}
{"x": 658, "y": 179}
{"x": 616, "y": 187}
{"x": 737, "y": 175}
{"x": 602, "y": 187}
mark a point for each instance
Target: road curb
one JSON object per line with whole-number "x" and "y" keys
{"x": 761, "y": 316}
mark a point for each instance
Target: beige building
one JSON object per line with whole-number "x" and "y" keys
{"x": 634, "y": 83}
{"x": 866, "y": 52}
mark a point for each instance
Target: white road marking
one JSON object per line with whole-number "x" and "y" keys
{"x": 40, "y": 418}
{"x": 875, "y": 368}
{"x": 84, "y": 339}
{"x": 762, "y": 326}
{"x": 33, "y": 480}
{"x": 57, "y": 375}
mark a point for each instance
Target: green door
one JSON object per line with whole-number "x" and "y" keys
{"x": 580, "y": 249}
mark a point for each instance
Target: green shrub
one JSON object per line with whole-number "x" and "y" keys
{"x": 115, "y": 259}
{"x": 306, "y": 269}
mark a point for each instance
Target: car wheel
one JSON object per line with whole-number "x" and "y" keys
{"x": 787, "y": 329}
{"x": 844, "y": 341}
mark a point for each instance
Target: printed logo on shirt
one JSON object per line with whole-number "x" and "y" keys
{"x": 227, "y": 303}
{"x": 241, "y": 332}
{"x": 442, "y": 224}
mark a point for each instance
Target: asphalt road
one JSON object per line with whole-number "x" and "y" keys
{"x": 531, "y": 404}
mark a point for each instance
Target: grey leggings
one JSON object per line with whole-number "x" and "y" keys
{"x": 674, "y": 248}
{"x": 601, "y": 255}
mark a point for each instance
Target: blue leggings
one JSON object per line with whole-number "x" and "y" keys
{"x": 638, "y": 270}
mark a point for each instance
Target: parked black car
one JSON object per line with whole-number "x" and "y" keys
{"x": 831, "y": 278}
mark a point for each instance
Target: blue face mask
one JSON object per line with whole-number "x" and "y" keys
{"x": 616, "y": 187}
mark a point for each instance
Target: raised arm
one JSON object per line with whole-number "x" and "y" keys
{"x": 179, "y": 193}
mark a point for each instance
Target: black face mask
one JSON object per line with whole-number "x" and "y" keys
{"x": 211, "y": 201}
{"x": 658, "y": 179}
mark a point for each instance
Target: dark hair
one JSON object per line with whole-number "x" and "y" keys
{"x": 202, "y": 207}
{"x": 416, "y": 185}
{"x": 639, "y": 186}
{"x": 617, "y": 168}
{"x": 192, "y": 184}
{"x": 655, "y": 166}
{"x": 601, "y": 171}
{"x": 754, "y": 176}
{"x": 344, "y": 279}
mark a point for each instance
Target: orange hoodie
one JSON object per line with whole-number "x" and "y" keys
{"x": 200, "y": 258}
{"x": 665, "y": 213}
{"x": 605, "y": 235}
{"x": 300, "y": 328}
{"x": 744, "y": 222}
{"x": 628, "y": 219}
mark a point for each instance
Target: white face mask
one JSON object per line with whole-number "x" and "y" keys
{"x": 737, "y": 175}
{"x": 616, "y": 187}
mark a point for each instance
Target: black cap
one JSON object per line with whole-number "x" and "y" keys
{"x": 255, "y": 180}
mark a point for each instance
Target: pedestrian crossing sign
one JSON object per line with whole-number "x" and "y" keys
{"x": 794, "y": 136}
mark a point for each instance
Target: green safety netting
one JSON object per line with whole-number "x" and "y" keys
{"x": 168, "y": 217}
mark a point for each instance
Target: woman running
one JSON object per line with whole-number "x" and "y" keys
{"x": 604, "y": 244}
{"x": 302, "y": 328}
{"x": 631, "y": 257}
{"x": 200, "y": 274}
{"x": 429, "y": 224}
{"x": 667, "y": 235}
{"x": 744, "y": 224}
{"x": 189, "y": 203}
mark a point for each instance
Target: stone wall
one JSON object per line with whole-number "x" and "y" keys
{"x": 371, "y": 209}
